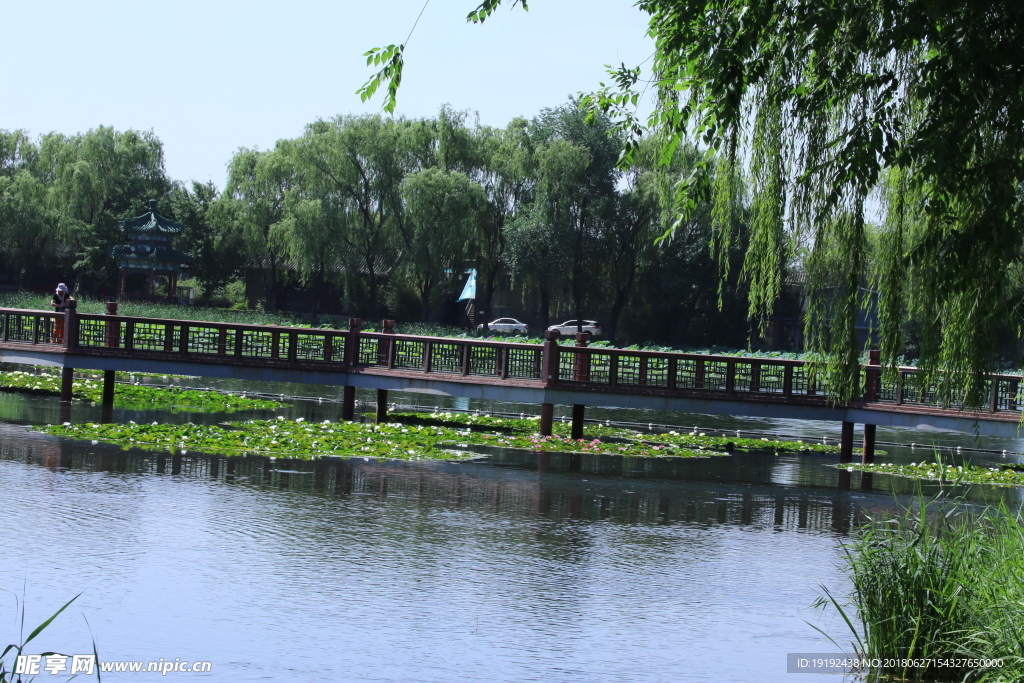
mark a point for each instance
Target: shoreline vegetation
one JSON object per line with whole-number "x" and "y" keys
{"x": 442, "y": 436}
{"x": 938, "y": 593}
{"x": 134, "y": 395}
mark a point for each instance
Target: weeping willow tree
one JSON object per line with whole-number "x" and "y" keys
{"x": 907, "y": 112}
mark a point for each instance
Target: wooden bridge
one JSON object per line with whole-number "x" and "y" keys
{"x": 546, "y": 374}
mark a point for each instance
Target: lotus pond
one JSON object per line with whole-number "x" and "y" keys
{"x": 412, "y": 436}
{"x": 696, "y": 438}
{"x": 135, "y": 395}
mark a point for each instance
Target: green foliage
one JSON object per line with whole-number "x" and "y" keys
{"x": 134, "y": 395}
{"x": 813, "y": 107}
{"x": 437, "y": 436}
{"x": 441, "y": 208}
{"x": 255, "y": 197}
{"x": 7, "y": 673}
{"x": 70, "y": 191}
{"x": 351, "y": 168}
{"x": 211, "y": 236}
{"x": 938, "y": 583}
{"x": 391, "y": 57}
{"x": 647, "y": 439}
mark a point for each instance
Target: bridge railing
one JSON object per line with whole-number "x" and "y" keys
{"x": 205, "y": 339}
{"x": 622, "y": 368}
{"x": 548, "y": 364}
{"x": 1004, "y": 392}
{"x": 31, "y": 327}
{"x": 440, "y": 355}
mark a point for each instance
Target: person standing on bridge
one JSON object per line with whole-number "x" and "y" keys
{"x": 59, "y": 302}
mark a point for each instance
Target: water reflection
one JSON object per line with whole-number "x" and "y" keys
{"x": 727, "y": 491}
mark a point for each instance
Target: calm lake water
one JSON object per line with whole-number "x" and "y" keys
{"x": 513, "y": 567}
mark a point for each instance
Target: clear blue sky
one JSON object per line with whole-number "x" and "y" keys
{"x": 211, "y": 76}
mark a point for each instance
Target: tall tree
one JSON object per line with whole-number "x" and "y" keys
{"x": 507, "y": 176}
{"x": 257, "y": 186}
{"x": 210, "y": 237}
{"x": 576, "y": 176}
{"x": 441, "y": 208}
{"x": 26, "y": 223}
{"x": 534, "y": 255}
{"x": 95, "y": 179}
{"x": 354, "y": 167}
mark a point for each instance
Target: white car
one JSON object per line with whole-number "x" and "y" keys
{"x": 570, "y": 327}
{"x": 506, "y": 326}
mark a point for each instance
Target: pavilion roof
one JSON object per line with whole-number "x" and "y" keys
{"x": 150, "y": 222}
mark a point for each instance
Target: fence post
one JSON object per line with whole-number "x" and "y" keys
{"x": 352, "y": 343}
{"x": 384, "y": 345}
{"x": 872, "y": 376}
{"x": 71, "y": 325}
{"x": 549, "y": 364}
{"x": 113, "y": 328}
{"x": 67, "y": 375}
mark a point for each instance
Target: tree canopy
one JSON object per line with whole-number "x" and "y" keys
{"x": 904, "y": 113}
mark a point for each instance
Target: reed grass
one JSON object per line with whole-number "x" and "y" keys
{"x": 938, "y": 584}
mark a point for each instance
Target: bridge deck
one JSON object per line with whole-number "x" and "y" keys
{"x": 530, "y": 373}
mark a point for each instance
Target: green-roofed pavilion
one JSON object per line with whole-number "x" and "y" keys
{"x": 149, "y": 252}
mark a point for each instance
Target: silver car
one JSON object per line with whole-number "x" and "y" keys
{"x": 570, "y": 327}
{"x": 506, "y": 326}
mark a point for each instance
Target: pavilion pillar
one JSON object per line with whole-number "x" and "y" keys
{"x": 382, "y": 406}
{"x": 122, "y": 282}
{"x": 547, "y": 413}
{"x": 846, "y": 443}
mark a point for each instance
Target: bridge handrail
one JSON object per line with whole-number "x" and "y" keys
{"x": 551, "y": 364}
{"x": 206, "y": 323}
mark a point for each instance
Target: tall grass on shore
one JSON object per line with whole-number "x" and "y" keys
{"x": 939, "y": 584}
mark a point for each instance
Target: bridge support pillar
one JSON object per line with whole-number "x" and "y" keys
{"x": 67, "y": 377}
{"x": 348, "y": 404}
{"x": 578, "y": 412}
{"x": 547, "y": 414}
{"x": 382, "y": 405}
{"x": 869, "y": 444}
{"x": 108, "y": 388}
{"x": 846, "y": 443}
